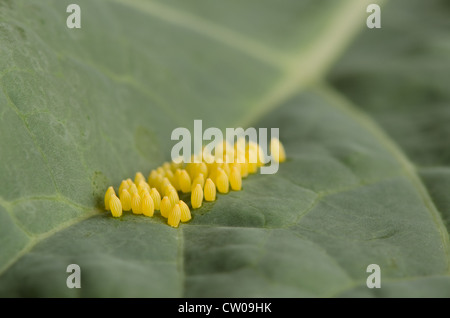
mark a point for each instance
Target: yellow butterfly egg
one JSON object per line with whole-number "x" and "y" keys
{"x": 125, "y": 200}
{"x": 251, "y": 153}
{"x": 252, "y": 168}
{"x": 238, "y": 158}
{"x": 173, "y": 197}
{"x": 208, "y": 159}
{"x": 277, "y": 150}
{"x": 235, "y": 179}
{"x": 147, "y": 205}
{"x": 165, "y": 181}
{"x": 108, "y": 195}
{"x": 255, "y": 154}
{"x": 169, "y": 188}
{"x": 138, "y": 178}
{"x": 240, "y": 145}
{"x": 166, "y": 166}
{"x": 244, "y": 170}
{"x": 228, "y": 152}
{"x": 261, "y": 156}
{"x": 197, "y": 197}
{"x": 203, "y": 169}
{"x": 235, "y": 165}
{"x": 209, "y": 190}
{"x": 184, "y": 181}
{"x": 170, "y": 175}
{"x": 136, "y": 204}
{"x": 222, "y": 181}
{"x": 133, "y": 190}
{"x": 185, "y": 212}
{"x": 164, "y": 184}
{"x": 220, "y": 152}
{"x": 116, "y": 206}
{"x": 199, "y": 180}
{"x": 174, "y": 216}
{"x": 213, "y": 173}
{"x": 242, "y": 164}
{"x": 152, "y": 178}
{"x": 129, "y": 181}
{"x": 174, "y": 181}
{"x": 165, "y": 207}
{"x": 156, "y": 198}
{"x": 190, "y": 167}
{"x": 143, "y": 192}
{"x": 123, "y": 185}
{"x": 226, "y": 169}
{"x": 196, "y": 158}
{"x": 161, "y": 171}
{"x": 143, "y": 186}
{"x": 195, "y": 170}
{"x": 174, "y": 166}
{"x": 241, "y": 158}
{"x": 229, "y": 148}
{"x": 159, "y": 182}
{"x": 200, "y": 168}
{"x": 229, "y": 158}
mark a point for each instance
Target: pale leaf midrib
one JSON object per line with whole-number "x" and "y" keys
{"x": 209, "y": 29}
{"x": 34, "y": 240}
{"x": 312, "y": 64}
{"x": 300, "y": 70}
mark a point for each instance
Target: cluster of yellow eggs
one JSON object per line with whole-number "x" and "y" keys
{"x": 160, "y": 191}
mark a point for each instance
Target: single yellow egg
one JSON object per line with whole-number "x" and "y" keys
{"x": 152, "y": 178}
{"x": 184, "y": 181}
{"x": 174, "y": 166}
{"x": 108, "y": 195}
{"x": 156, "y": 198}
{"x": 209, "y": 190}
{"x": 161, "y": 171}
{"x": 244, "y": 170}
{"x": 136, "y": 204}
{"x": 147, "y": 205}
{"x": 166, "y": 166}
{"x": 203, "y": 169}
{"x": 197, "y": 197}
{"x": 226, "y": 169}
{"x": 174, "y": 216}
{"x": 123, "y": 185}
{"x": 185, "y": 212}
{"x": 222, "y": 182}
{"x": 159, "y": 182}
{"x": 130, "y": 182}
{"x": 125, "y": 200}
{"x": 143, "y": 192}
{"x": 116, "y": 206}
{"x": 235, "y": 179}
{"x": 133, "y": 190}
{"x": 138, "y": 178}
{"x": 165, "y": 207}
{"x": 173, "y": 197}
{"x": 199, "y": 180}
{"x": 252, "y": 168}
{"x": 277, "y": 150}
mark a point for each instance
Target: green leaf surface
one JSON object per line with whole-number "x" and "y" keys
{"x": 363, "y": 115}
